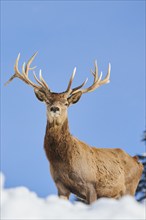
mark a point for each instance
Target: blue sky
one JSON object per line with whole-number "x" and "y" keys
{"x": 68, "y": 34}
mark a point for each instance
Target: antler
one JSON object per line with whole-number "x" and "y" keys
{"x": 24, "y": 75}
{"x": 96, "y": 83}
{"x": 43, "y": 85}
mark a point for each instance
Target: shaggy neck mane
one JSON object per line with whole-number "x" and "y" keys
{"x": 56, "y": 141}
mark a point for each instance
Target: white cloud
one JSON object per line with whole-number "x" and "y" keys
{"x": 20, "y": 203}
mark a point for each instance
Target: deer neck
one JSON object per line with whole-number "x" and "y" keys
{"x": 56, "y": 131}
{"x": 57, "y": 140}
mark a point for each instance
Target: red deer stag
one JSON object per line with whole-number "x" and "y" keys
{"x": 76, "y": 167}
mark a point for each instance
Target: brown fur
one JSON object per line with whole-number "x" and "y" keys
{"x": 86, "y": 171}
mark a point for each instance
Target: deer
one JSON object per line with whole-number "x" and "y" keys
{"x": 88, "y": 172}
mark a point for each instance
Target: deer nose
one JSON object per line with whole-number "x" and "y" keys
{"x": 54, "y": 109}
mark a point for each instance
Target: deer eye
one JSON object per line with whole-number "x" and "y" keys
{"x": 66, "y": 104}
{"x": 47, "y": 102}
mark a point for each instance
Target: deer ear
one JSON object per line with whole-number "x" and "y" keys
{"x": 40, "y": 95}
{"x": 74, "y": 98}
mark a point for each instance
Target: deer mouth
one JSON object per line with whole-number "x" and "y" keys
{"x": 55, "y": 114}
{"x": 54, "y": 118}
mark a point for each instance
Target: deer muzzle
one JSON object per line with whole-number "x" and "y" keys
{"x": 55, "y": 111}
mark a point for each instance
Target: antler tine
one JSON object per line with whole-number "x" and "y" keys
{"x": 27, "y": 67}
{"x": 76, "y": 89}
{"x": 70, "y": 81}
{"x": 12, "y": 77}
{"x": 37, "y": 79}
{"x": 95, "y": 73}
{"x": 16, "y": 64}
{"x": 106, "y": 79}
{"x": 41, "y": 81}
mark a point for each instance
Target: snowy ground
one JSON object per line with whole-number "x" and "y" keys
{"x": 20, "y": 203}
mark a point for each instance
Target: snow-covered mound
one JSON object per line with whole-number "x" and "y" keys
{"x": 20, "y": 203}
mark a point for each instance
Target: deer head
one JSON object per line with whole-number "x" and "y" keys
{"x": 57, "y": 103}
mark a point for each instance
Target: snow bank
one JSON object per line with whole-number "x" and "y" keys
{"x": 20, "y": 203}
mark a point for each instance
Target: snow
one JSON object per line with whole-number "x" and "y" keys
{"x": 21, "y": 203}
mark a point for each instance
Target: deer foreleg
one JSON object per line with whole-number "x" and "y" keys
{"x": 91, "y": 194}
{"x": 63, "y": 192}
